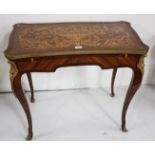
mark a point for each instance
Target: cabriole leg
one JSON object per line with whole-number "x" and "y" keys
{"x": 113, "y": 81}
{"x": 16, "y": 84}
{"x": 134, "y": 85}
{"x": 31, "y": 87}
{"x": 15, "y": 78}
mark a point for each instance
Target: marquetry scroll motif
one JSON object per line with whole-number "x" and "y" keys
{"x": 76, "y": 36}
{"x": 13, "y": 73}
{"x": 141, "y": 64}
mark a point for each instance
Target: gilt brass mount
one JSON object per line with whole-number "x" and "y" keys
{"x": 13, "y": 73}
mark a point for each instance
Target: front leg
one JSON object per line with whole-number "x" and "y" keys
{"x": 134, "y": 85}
{"x": 15, "y": 78}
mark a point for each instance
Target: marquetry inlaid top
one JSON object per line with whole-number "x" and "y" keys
{"x": 35, "y": 40}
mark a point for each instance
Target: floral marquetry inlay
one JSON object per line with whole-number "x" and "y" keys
{"x": 58, "y": 37}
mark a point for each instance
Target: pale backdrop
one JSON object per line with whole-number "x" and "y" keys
{"x": 79, "y": 77}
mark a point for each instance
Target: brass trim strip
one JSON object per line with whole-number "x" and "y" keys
{"x": 73, "y": 52}
{"x": 141, "y": 64}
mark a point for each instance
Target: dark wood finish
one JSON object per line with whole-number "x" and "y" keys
{"x": 31, "y": 86}
{"x": 134, "y": 85}
{"x": 46, "y": 47}
{"x": 113, "y": 81}
{"x": 17, "y": 87}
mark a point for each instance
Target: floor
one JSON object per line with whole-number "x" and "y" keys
{"x": 81, "y": 114}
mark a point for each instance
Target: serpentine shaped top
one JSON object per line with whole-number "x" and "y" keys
{"x": 35, "y": 40}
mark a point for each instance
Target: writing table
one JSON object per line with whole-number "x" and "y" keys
{"x": 46, "y": 47}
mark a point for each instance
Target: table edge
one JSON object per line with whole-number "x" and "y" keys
{"x": 67, "y": 53}
{"x": 14, "y": 56}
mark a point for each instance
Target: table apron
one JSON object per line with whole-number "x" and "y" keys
{"x": 50, "y": 64}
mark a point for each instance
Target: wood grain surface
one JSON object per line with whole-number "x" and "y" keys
{"x": 34, "y": 40}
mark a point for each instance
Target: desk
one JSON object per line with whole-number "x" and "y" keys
{"x": 46, "y": 47}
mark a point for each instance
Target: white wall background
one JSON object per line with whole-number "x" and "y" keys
{"x": 79, "y": 77}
